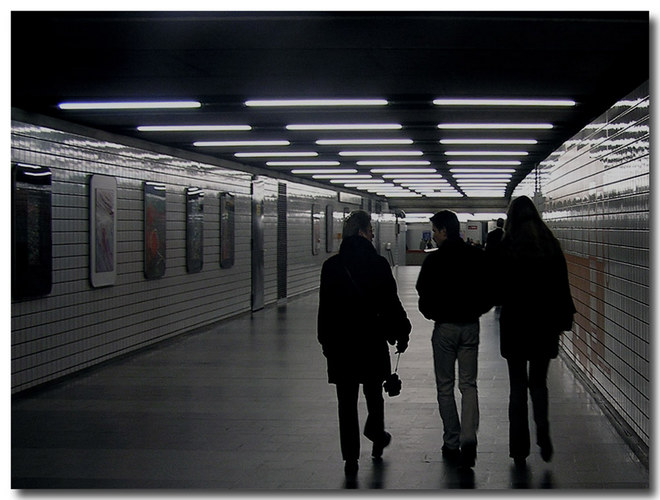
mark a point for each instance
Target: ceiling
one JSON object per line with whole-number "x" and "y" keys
{"x": 408, "y": 59}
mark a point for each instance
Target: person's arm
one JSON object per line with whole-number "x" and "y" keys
{"x": 396, "y": 315}
{"x": 425, "y": 289}
{"x": 325, "y": 314}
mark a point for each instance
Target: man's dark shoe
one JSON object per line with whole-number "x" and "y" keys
{"x": 468, "y": 455}
{"x": 379, "y": 446}
{"x": 452, "y": 455}
{"x": 351, "y": 468}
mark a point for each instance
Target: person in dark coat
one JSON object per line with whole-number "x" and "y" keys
{"x": 451, "y": 294}
{"x": 494, "y": 237}
{"x": 359, "y": 313}
{"x": 537, "y": 306}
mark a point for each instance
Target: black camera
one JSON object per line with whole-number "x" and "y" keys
{"x": 392, "y": 385}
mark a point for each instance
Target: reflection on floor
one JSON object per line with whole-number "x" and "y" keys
{"x": 245, "y": 404}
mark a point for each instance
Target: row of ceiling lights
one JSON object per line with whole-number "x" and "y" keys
{"x": 404, "y": 182}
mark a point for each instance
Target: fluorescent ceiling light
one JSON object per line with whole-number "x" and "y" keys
{"x": 500, "y": 163}
{"x": 361, "y": 142}
{"x": 400, "y": 163}
{"x": 416, "y": 181}
{"x": 482, "y": 176}
{"x": 341, "y": 176}
{"x": 413, "y": 176}
{"x": 503, "y": 102}
{"x": 324, "y": 171}
{"x": 302, "y": 163}
{"x": 388, "y": 186}
{"x": 486, "y": 216}
{"x": 380, "y": 153}
{"x": 128, "y": 105}
{"x": 402, "y": 195}
{"x": 239, "y": 143}
{"x": 488, "y": 141}
{"x": 315, "y": 102}
{"x": 484, "y": 194}
{"x": 500, "y": 184}
{"x": 274, "y": 154}
{"x": 367, "y": 181}
{"x": 403, "y": 170}
{"x": 486, "y": 153}
{"x": 345, "y": 126}
{"x": 416, "y": 185}
{"x": 482, "y": 170}
{"x": 193, "y": 128}
{"x": 495, "y": 126}
{"x": 454, "y": 194}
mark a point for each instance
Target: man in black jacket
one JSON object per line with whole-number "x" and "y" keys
{"x": 451, "y": 293}
{"x": 359, "y": 313}
{"x": 494, "y": 237}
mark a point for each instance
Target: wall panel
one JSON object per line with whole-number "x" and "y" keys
{"x": 596, "y": 198}
{"x": 76, "y": 325}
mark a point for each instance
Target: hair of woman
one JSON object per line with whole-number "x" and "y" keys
{"x": 525, "y": 230}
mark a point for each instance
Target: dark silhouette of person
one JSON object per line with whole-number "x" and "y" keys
{"x": 450, "y": 294}
{"x": 494, "y": 237}
{"x": 533, "y": 290}
{"x": 359, "y": 314}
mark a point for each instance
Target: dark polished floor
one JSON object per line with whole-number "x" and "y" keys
{"x": 246, "y": 405}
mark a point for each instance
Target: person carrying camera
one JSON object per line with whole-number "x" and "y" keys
{"x": 451, "y": 293}
{"x": 359, "y": 313}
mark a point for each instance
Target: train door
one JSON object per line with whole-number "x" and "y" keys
{"x": 257, "y": 243}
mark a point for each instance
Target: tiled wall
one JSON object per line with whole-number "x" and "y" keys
{"x": 77, "y": 326}
{"x": 596, "y": 198}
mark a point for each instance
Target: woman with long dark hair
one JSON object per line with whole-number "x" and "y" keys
{"x": 537, "y": 307}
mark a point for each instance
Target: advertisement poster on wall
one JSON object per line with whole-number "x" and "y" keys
{"x": 155, "y": 217}
{"x": 31, "y": 235}
{"x": 103, "y": 226}
{"x": 227, "y": 211}
{"x": 194, "y": 229}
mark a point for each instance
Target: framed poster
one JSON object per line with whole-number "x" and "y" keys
{"x": 316, "y": 230}
{"x": 227, "y": 211}
{"x": 329, "y": 229}
{"x": 194, "y": 229}
{"x": 155, "y": 218}
{"x": 103, "y": 230}
{"x": 31, "y": 231}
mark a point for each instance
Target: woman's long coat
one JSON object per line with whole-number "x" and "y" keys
{"x": 536, "y": 303}
{"x": 359, "y": 312}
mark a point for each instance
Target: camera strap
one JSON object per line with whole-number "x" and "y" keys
{"x": 398, "y": 356}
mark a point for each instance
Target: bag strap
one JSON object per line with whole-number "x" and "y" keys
{"x": 353, "y": 281}
{"x": 398, "y": 355}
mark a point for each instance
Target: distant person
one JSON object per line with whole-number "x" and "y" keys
{"x": 494, "y": 237}
{"x": 359, "y": 313}
{"x": 450, "y": 293}
{"x": 536, "y": 307}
